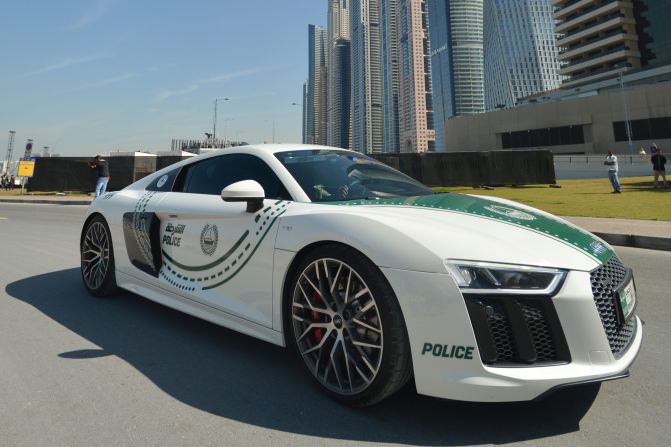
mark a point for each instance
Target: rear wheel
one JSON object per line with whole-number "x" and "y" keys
{"x": 347, "y": 327}
{"x": 97, "y": 258}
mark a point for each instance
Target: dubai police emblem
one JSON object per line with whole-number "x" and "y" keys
{"x": 209, "y": 238}
{"x": 510, "y": 212}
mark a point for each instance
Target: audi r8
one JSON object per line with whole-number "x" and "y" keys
{"x": 371, "y": 278}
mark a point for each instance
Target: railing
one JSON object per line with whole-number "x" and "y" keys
{"x": 599, "y": 159}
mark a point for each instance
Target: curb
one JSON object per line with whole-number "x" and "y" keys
{"x": 637, "y": 241}
{"x": 47, "y": 201}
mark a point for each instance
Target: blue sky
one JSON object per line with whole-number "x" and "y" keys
{"x": 92, "y": 76}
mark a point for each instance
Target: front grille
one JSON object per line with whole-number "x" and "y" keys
{"x": 605, "y": 281}
{"x": 514, "y": 331}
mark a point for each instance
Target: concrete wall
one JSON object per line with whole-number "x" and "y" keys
{"x": 595, "y": 113}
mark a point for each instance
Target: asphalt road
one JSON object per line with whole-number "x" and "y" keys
{"x": 79, "y": 371}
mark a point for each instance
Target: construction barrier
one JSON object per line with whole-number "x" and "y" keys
{"x": 519, "y": 167}
{"x": 532, "y": 167}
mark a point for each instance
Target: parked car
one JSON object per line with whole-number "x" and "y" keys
{"x": 368, "y": 276}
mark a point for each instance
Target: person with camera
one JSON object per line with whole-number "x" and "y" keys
{"x": 100, "y": 164}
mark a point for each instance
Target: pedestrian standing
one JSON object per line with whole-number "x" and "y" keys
{"x": 659, "y": 167}
{"x": 103, "y": 170}
{"x": 12, "y": 180}
{"x": 611, "y": 162}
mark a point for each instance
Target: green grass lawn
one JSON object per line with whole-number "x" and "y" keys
{"x": 588, "y": 198}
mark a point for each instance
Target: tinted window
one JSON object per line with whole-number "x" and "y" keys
{"x": 214, "y": 174}
{"x": 329, "y": 175}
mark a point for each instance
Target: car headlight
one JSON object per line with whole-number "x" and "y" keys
{"x": 503, "y": 279}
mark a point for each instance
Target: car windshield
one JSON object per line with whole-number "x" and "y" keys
{"x": 333, "y": 175}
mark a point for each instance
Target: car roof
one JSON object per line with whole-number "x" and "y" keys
{"x": 259, "y": 149}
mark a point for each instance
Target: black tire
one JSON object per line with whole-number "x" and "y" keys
{"x": 375, "y": 370}
{"x": 97, "y": 258}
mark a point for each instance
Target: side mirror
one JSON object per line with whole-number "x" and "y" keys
{"x": 246, "y": 191}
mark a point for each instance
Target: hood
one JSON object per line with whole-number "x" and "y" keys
{"x": 464, "y": 227}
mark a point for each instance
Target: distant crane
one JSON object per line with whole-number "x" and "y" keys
{"x": 10, "y": 146}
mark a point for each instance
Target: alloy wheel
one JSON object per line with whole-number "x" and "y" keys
{"x": 95, "y": 255}
{"x": 337, "y": 326}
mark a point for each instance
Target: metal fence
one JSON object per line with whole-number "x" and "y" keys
{"x": 591, "y": 166}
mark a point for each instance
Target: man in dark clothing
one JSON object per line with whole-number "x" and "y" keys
{"x": 103, "y": 169}
{"x": 659, "y": 166}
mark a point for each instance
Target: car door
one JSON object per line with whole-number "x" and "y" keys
{"x": 216, "y": 252}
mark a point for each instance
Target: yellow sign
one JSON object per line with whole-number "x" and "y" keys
{"x": 26, "y": 168}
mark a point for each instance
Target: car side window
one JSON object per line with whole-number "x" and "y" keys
{"x": 165, "y": 182}
{"x": 212, "y": 175}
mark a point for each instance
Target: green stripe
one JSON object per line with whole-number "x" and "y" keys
{"x": 476, "y": 206}
{"x": 211, "y": 265}
{"x": 248, "y": 258}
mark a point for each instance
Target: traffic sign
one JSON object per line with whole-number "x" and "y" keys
{"x": 26, "y": 167}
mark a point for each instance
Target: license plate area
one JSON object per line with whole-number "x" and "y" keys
{"x": 625, "y": 298}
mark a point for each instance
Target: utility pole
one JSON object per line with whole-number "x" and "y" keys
{"x": 10, "y": 146}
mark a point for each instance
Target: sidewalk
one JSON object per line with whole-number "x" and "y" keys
{"x": 50, "y": 200}
{"x": 647, "y": 234}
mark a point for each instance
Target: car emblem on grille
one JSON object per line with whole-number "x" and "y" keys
{"x": 209, "y": 238}
{"x": 598, "y": 247}
{"x": 510, "y": 212}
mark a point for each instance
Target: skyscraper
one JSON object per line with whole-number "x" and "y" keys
{"x": 521, "y": 56}
{"x": 339, "y": 87}
{"x": 600, "y": 39}
{"x": 457, "y": 60}
{"x": 305, "y": 112}
{"x": 366, "y": 59}
{"x": 415, "y": 109}
{"x": 316, "y": 94}
{"x": 654, "y": 31}
{"x": 390, "y": 75}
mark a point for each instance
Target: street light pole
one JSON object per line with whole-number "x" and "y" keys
{"x": 214, "y": 126}
{"x": 627, "y": 121}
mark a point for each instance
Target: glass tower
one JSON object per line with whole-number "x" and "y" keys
{"x": 366, "y": 60}
{"x": 654, "y": 31}
{"x": 521, "y": 55}
{"x": 390, "y": 75}
{"x": 457, "y": 60}
{"x": 339, "y": 75}
{"x": 316, "y": 94}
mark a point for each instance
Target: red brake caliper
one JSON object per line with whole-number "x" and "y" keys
{"x": 318, "y": 332}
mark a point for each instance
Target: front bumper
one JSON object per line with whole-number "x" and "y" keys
{"x": 440, "y": 333}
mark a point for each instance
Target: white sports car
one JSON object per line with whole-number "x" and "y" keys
{"x": 370, "y": 277}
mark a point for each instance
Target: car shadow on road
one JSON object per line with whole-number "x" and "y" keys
{"x": 240, "y": 378}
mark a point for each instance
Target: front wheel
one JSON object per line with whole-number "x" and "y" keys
{"x": 347, "y": 326}
{"x": 97, "y": 258}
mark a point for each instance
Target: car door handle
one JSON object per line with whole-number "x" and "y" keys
{"x": 173, "y": 216}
